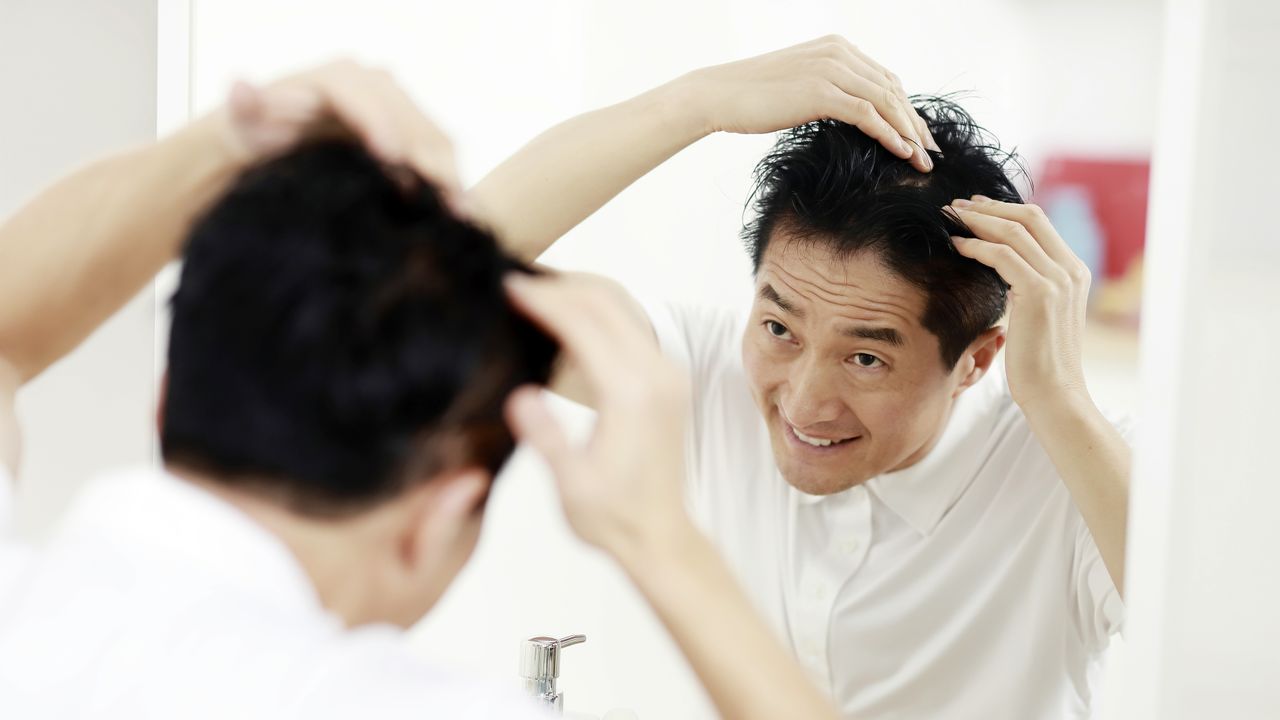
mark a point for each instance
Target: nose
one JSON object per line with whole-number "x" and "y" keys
{"x": 811, "y": 398}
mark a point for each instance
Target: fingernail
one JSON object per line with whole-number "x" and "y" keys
{"x": 933, "y": 145}
{"x": 515, "y": 281}
{"x": 906, "y": 147}
{"x": 982, "y": 198}
{"x": 961, "y": 202}
{"x": 928, "y": 161}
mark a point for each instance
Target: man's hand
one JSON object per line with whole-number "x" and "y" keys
{"x": 342, "y": 98}
{"x": 622, "y": 490}
{"x": 83, "y": 247}
{"x": 824, "y": 78}
{"x": 1049, "y": 290}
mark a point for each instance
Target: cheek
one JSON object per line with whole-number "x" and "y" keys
{"x": 900, "y": 415}
{"x": 761, "y": 372}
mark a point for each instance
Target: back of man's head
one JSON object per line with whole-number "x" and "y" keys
{"x": 338, "y": 335}
{"x": 829, "y": 183}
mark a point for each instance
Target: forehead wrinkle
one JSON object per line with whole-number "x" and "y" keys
{"x": 897, "y": 310}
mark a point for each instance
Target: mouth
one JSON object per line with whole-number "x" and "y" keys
{"x": 810, "y": 443}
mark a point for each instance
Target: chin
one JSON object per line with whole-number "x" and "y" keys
{"x": 810, "y": 482}
{"x": 822, "y": 486}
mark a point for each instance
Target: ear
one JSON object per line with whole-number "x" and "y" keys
{"x": 978, "y": 358}
{"x": 444, "y": 511}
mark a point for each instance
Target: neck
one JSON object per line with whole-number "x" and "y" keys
{"x": 333, "y": 552}
{"x": 923, "y": 451}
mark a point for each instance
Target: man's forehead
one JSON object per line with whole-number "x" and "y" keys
{"x": 804, "y": 273}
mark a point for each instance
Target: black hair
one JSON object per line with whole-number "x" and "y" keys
{"x": 338, "y": 335}
{"x": 827, "y": 182}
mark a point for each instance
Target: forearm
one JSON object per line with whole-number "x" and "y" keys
{"x": 1094, "y": 462}
{"x": 745, "y": 669}
{"x": 568, "y": 172}
{"x": 80, "y": 250}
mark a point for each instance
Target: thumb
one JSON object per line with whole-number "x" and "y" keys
{"x": 534, "y": 424}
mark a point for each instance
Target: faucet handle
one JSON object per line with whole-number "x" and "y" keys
{"x": 568, "y": 640}
{"x": 540, "y": 666}
{"x": 540, "y": 656}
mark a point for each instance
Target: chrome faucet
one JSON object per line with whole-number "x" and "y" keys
{"x": 540, "y": 666}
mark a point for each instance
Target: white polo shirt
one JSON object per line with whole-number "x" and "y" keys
{"x": 155, "y": 599}
{"x": 966, "y": 586}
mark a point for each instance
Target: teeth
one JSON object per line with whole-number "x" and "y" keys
{"x": 816, "y": 442}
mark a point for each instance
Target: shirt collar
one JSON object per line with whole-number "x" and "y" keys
{"x": 174, "y": 523}
{"x": 923, "y": 493}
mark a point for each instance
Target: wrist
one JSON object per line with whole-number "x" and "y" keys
{"x": 684, "y": 104}
{"x": 213, "y": 139}
{"x": 1056, "y": 405}
{"x": 656, "y": 548}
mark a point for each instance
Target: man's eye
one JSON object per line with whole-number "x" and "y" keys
{"x": 865, "y": 360}
{"x": 776, "y": 328}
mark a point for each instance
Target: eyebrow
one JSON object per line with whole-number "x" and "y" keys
{"x": 861, "y": 332}
{"x": 768, "y": 293}
{"x": 884, "y": 335}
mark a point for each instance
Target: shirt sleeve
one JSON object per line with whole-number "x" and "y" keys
{"x": 704, "y": 341}
{"x": 1100, "y": 609}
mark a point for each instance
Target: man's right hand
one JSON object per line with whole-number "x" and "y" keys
{"x": 827, "y": 78}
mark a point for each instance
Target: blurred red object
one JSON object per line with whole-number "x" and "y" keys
{"x": 1117, "y": 193}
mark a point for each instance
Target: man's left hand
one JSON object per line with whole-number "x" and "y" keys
{"x": 342, "y": 98}
{"x": 1049, "y": 290}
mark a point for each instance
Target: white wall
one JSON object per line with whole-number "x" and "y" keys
{"x": 77, "y": 79}
{"x": 496, "y": 73}
{"x": 1204, "y": 583}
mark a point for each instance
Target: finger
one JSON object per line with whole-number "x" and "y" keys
{"x": 862, "y": 114}
{"x": 417, "y": 142}
{"x": 1014, "y": 235}
{"x": 1004, "y": 260}
{"x": 607, "y": 350}
{"x": 357, "y": 102}
{"x": 393, "y": 128}
{"x": 889, "y": 107}
{"x": 532, "y": 423}
{"x": 576, "y": 303}
{"x": 1036, "y": 221}
{"x": 864, "y": 80}
{"x": 922, "y": 127}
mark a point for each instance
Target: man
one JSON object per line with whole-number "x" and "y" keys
{"x": 936, "y": 534}
{"x": 342, "y": 356}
